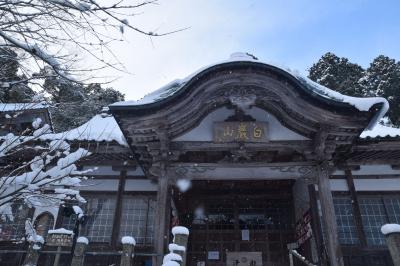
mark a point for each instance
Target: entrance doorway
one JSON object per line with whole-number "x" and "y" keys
{"x": 246, "y": 219}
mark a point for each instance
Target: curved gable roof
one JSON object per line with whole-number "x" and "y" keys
{"x": 311, "y": 89}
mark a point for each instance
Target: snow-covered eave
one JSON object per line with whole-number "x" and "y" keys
{"x": 100, "y": 128}
{"x": 317, "y": 91}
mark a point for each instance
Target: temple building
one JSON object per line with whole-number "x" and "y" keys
{"x": 251, "y": 157}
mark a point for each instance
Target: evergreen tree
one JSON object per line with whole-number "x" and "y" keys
{"x": 338, "y": 74}
{"x": 382, "y": 78}
{"x": 73, "y": 103}
{"x": 13, "y": 87}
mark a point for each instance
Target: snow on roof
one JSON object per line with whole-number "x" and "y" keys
{"x": 102, "y": 127}
{"x": 13, "y": 107}
{"x": 381, "y": 131}
{"x": 362, "y": 104}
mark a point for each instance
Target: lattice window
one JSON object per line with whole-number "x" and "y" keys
{"x": 347, "y": 230}
{"x": 393, "y": 209}
{"x": 138, "y": 218}
{"x": 12, "y": 226}
{"x": 373, "y": 216}
{"x": 100, "y": 211}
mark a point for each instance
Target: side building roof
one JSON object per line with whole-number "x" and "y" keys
{"x": 101, "y": 127}
{"x": 15, "y": 107}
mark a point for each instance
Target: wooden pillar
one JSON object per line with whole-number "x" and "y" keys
{"x": 356, "y": 208}
{"x": 118, "y": 208}
{"x": 316, "y": 225}
{"x": 162, "y": 217}
{"x": 329, "y": 217}
{"x": 79, "y": 253}
{"x": 128, "y": 245}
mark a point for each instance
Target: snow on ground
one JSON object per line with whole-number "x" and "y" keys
{"x": 100, "y": 128}
{"x": 362, "y": 104}
{"x": 390, "y": 228}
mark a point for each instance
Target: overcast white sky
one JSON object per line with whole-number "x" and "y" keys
{"x": 293, "y": 33}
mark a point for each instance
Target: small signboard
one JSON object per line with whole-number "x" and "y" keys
{"x": 240, "y": 132}
{"x": 213, "y": 255}
{"x": 245, "y": 235}
{"x": 303, "y": 228}
{"x": 59, "y": 240}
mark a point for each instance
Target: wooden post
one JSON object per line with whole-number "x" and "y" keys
{"x": 329, "y": 217}
{"x": 356, "y": 208}
{"x": 118, "y": 208}
{"x": 181, "y": 236}
{"x": 128, "y": 245}
{"x": 57, "y": 257}
{"x": 316, "y": 225}
{"x": 32, "y": 256}
{"x": 79, "y": 252}
{"x": 162, "y": 217}
{"x": 392, "y": 234}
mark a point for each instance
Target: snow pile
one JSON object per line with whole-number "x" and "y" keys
{"x": 381, "y": 131}
{"x": 14, "y": 107}
{"x": 172, "y": 257}
{"x": 362, "y": 104}
{"x": 61, "y": 231}
{"x": 174, "y": 247}
{"x": 128, "y": 240}
{"x": 180, "y": 230}
{"x": 100, "y": 128}
{"x": 83, "y": 240}
{"x": 390, "y": 228}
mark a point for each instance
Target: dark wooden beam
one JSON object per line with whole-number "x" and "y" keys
{"x": 356, "y": 208}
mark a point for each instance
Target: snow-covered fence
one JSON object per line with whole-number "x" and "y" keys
{"x": 177, "y": 249}
{"x": 128, "y": 245}
{"x": 392, "y": 234}
{"x": 79, "y": 253}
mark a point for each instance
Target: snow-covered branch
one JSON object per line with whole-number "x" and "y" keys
{"x": 46, "y": 176}
{"x": 60, "y": 33}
